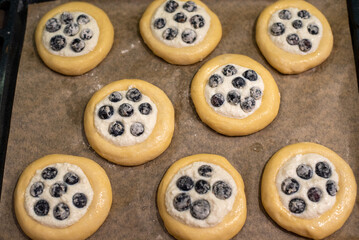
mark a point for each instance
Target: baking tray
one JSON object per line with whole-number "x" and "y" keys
{"x": 320, "y": 105}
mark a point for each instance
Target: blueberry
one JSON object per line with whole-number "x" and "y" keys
{"x": 52, "y": 25}
{"x": 303, "y": 14}
{"x": 233, "y": 97}
{"x": 217, "y": 100}
{"x": 200, "y": 209}
{"x": 229, "y": 70}
{"x": 297, "y": 24}
{"x": 197, "y": 21}
{"x": 331, "y": 188}
{"x": 170, "y": 33}
{"x": 222, "y": 190}
{"x": 105, "y": 112}
{"x": 71, "y": 178}
{"x": 205, "y": 171}
{"x": 134, "y": 95}
{"x": 180, "y": 17}
{"x": 190, "y": 6}
{"x": 305, "y": 45}
{"x": 66, "y": 18}
{"x": 293, "y": 39}
{"x": 322, "y": 169}
{"x": 285, "y": 14}
{"x": 79, "y": 200}
{"x": 248, "y": 104}
{"x": 251, "y": 75}
{"x": 215, "y": 80}
{"x": 159, "y": 23}
{"x": 83, "y": 19}
{"x": 61, "y": 211}
{"x": 171, "y": 6}
{"x": 185, "y": 183}
{"x": 86, "y": 34}
{"x": 255, "y": 93}
{"x": 297, "y": 205}
{"x": 57, "y": 42}
{"x": 125, "y": 110}
{"x": 58, "y": 189}
{"x": 277, "y": 29}
{"x": 71, "y": 29}
{"x": 115, "y": 96}
{"x": 313, "y": 29}
{"x": 145, "y": 108}
{"x": 182, "y": 202}
{"x": 116, "y": 129}
{"x": 202, "y": 186}
{"x": 238, "y": 82}
{"x": 49, "y": 173}
{"x": 314, "y": 194}
{"x": 37, "y": 189}
{"x": 304, "y": 171}
{"x": 137, "y": 129}
{"x": 77, "y": 45}
{"x": 41, "y": 208}
{"x": 290, "y": 186}
{"x": 189, "y": 36}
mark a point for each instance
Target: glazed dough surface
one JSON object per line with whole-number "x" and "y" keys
{"x": 177, "y": 41}
{"x": 67, "y": 51}
{"x": 219, "y": 207}
{"x": 227, "y": 109}
{"x": 83, "y": 186}
{"x": 302, "y": 32}
{"x": 313, "y": 209}
{"x": 126, "y": 139}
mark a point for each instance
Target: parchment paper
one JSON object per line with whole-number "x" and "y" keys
{"x": 320, "y": 105}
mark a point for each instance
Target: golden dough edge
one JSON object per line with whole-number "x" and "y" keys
{"x": 327, "y": 223}
{"x": 232, "y": 222}
{"x": 89, "y": 223}
{"x": 257, "y": 121}
{"x": 153, "y": 146}
{"x": 283, "y": 61}
{"x": 79, "y": 65}
{"x": 186, "y": 55}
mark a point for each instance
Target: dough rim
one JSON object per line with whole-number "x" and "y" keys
{"x": 87, "y": 225}
{"x": 185, "y": 55}
{"x": 232, "y": 223}
{"x": 328, "y": 222}
{"x": 258, "y": 120}
{"x": 137, "y": 154}
{"x": 80, "y": 64}
{"x": 285, "y": 62}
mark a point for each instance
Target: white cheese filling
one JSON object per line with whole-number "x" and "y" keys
{"x": 83, "y": 186}
{"x": 126, "y": 139}
{"x": 219, "y": 208}
{"x": 281, "y": 40}
{"x": 227, "y": 109}
{"x": 177, "y": 42}
{"x": 313, "y": 209}
{"x": 67, "y": 51}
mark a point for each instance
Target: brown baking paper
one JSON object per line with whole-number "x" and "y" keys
{"x": 320, "y": 105}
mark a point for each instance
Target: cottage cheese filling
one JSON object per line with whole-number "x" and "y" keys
{"x": 49, "y": 211}
{"x": 311, "y": 209}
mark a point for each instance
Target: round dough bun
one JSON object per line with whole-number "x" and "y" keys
{"x": 87, "y": 225}
{"x": 258, "y": 120}
{"x": 80, "y": 64}
{"x": 184, "y": 55}
{"x": 232, "y": 223}
{"x": 137, "y": 154}
{"x": 285, "y": 62}
{"x": 328, "y": 222}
